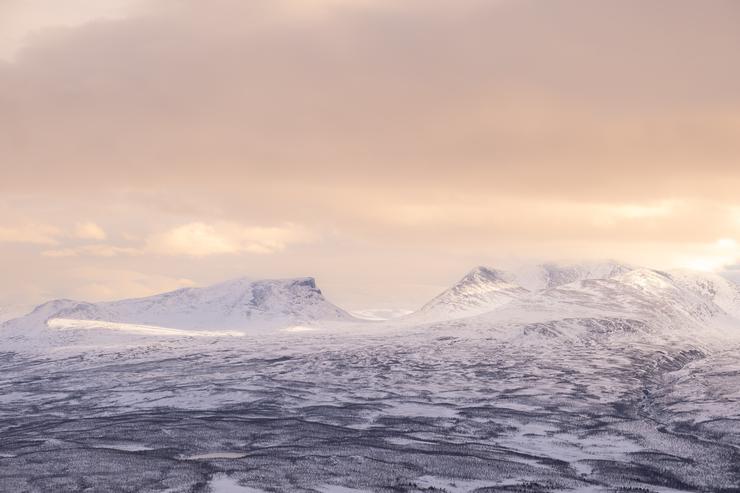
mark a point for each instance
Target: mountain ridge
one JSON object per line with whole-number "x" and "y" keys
{"x": 486, "y": 288}
{"x": 660, "y": 300}
{"x": 240, "y": 303}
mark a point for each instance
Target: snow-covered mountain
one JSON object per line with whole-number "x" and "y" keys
{"x": 590, "y": 299}
{"x": 551, "y": 275}
{"x": 240, "y": 304}
{"x": 577, "y": 378}
{"x": 721, "y": 291}
{"x": 481, "y": 290}
{"x": 484, "y": 289}
{"x": 688, "y": 297}
{"x": 566, "y": 300}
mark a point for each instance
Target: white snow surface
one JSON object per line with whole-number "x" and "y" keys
{"x": 586, "y": 366}
{"x": 551, "y": 275}
{"x": 484, "y": 288}
{"x": 563, "y": 301}
{"x": 240, "y": 305}
{"x": 481, "y": 290}
{"x": 691, "y": 303}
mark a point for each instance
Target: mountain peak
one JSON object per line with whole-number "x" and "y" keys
{"x": 486, "y": 274}
{"x": 485, "y": 289}
{"x": 481, "y": 290}
{"x": 246, "y": 283}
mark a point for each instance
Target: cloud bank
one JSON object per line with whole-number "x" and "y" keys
{"x": 340, "y": 136}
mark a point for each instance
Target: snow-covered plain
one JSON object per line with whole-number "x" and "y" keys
{"x": 595, "y": 377}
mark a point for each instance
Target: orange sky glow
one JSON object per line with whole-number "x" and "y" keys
{"x": 383, "y": 147}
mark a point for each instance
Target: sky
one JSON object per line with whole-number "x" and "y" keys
{"x": 383, "y": 147}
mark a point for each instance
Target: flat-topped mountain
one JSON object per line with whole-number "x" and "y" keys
{"x": 240, "y": 304}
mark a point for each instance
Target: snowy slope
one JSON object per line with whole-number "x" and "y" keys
{"x": 481, "y": 290}
{"x": 551, "y": 275}
{"x": 721, "y": 291}
{"x": 638, "y": 301}
{"x": 485, "y": 289}
{"x": 640, "y": 295}
{"x": 624, "y": 382}
{"x": 644, "y": 303}
{"x": 378, "y": 314}
{"x": 241, "y": 304}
